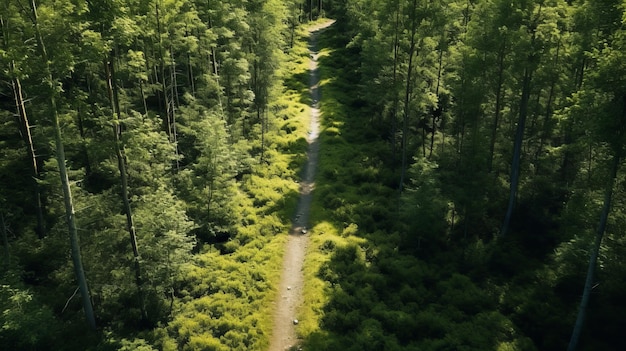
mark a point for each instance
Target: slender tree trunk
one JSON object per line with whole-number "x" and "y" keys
{"x": 394, "y": 115}
{"x": 16, "y": 87}
{"x": 580, "y": 73}
{"x": 424, "y": 139}
{"x": 175, "y": 104}
{"x": 143, "y": 97}
{"x": 292, "y": 32}
{"x": 121, "y": 165}
{"x": 566, "y": 162}
{"x": 545, "y": 128}
{"x": 589, "y": 163}
{"x": 593, "y": 257}
{"x": 407, "y": 97}
{"x": 439, "y": 109}
{"x": 496, "y": 118}
{"x": 213, "y": 54}
{"x": 517, "y": 149}
{"x": 174, "y": 80}
{"x": 19, "y": 103}
{"x": 260, "y": 118}
{"x": 65, "y": 183}
{"x": 81, "y": 133}
{"x": 192, "y": 83}
{"x": 140, "y": 80}
{"x": 5, "y": 241}
{"x": 210, "y": 186}
{"x": 568, "y": 138}
{"x": 166, "y": 101}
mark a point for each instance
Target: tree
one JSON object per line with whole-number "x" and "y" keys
{"x": 25, "y": 125}
{"x": 121, "y": 164}
{"x": 407, "y": 93}
{"x": 265, "y": 43}
{"x": 603, "y": 95}
{"x": 51, "y": 86}
{"x": 537, "y": 27}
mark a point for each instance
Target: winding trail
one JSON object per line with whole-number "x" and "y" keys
{"x": 292, "y": 281}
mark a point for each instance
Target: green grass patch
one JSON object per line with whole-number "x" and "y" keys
{"x": 226, "y": 292}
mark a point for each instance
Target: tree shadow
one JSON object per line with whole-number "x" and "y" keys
{"x": 377, "y": 295}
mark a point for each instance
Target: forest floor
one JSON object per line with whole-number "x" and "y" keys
{"x": 291, "y": 284}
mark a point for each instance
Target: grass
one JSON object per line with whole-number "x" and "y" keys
{"x": 324, "y": 239}
{"x": 227, "y": 295}
{"x": 363, "y": 289}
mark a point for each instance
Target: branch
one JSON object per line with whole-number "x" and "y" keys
{"x": 70, "y": 299}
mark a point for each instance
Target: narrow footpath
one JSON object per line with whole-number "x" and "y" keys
{"x": 291, "y": 282}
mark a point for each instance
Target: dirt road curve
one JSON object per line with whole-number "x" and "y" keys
{"x": 291, "y": 282}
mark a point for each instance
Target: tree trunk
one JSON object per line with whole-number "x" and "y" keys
{"x": 81, "y": 133}
{"x": 65, "y": 183}
{"x": 166, "y": 101}
{"x": 19, "y": 103}
{"x": 190, "y": 75}
{"x": 121, "y": 165}
{"x": 439, "y": 109}
{"x": 394, "y": 115}
{"x": 517, "y": 149}
{"x": 5, "y": 241}
{"x": 175, "y": 104}
{"x": 496, "y": 118}
{"x": 260, "y": 118}
{"x": 213, "y": 54}
{"x": 407, "y": 96}
{"x": 593, "y": 257}
{"x": 16, "y": 87}
{"x": 546, "y": 127}
{"x": 143, "y": 97}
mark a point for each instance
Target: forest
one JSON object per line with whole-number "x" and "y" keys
{"x": 469, "y": 193}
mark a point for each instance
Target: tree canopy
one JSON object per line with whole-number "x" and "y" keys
{"x": 469, "y": 192}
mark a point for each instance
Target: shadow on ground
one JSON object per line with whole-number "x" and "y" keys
{"x": 379, "y": 294}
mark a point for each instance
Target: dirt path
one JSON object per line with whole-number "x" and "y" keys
{"x": 291, "y": 282}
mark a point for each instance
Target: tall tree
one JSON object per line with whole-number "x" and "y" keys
{"x": 25, "y": 124}
{"x": 603, "y": 97}
{"x": 407, "y": 92}
{"x": 536, "y": 26}
{"x": 51, "y": 86}
{"x": 121, "y": 164}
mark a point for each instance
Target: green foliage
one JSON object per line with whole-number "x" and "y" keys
{"x": 424, "y": 203}
{"x": 26, "y": 322}
{"x": 213, "y": 99}
{"x": 422, "y": 270}
{"x": 188, "y": 78}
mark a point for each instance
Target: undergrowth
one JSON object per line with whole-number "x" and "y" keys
{"x": 366, "y": 287}
{"x": 226, "y": 291}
